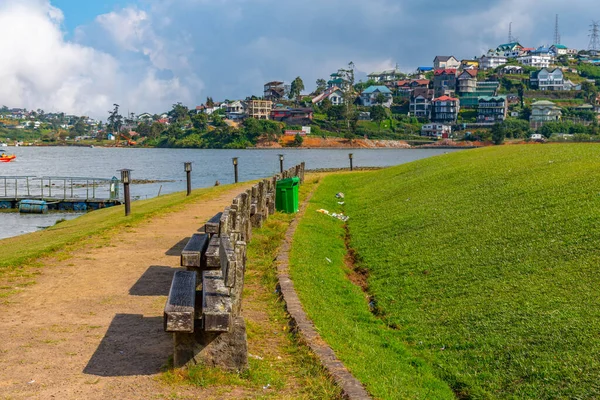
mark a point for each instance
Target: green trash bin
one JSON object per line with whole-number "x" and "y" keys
{"x": 286, "y": 196}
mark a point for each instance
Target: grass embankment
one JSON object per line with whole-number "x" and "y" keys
{"x": 19, "y": 254}
{"x": 280, "y": 367}
{"x": 483, "y": 262}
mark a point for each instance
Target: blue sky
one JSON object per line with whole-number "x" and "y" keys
{"x": 80, "y": 12}
{"x": 84, "y": 55}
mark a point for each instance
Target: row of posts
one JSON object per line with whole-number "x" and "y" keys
{"x": 126, "y": 178}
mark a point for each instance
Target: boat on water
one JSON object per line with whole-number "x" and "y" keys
{"x": 7, "y": 157}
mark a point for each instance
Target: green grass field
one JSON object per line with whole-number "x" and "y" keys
{"x": 484, "y": 269}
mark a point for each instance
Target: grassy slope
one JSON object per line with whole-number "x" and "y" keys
{"x": 486, "y": 263}
{"x": 374, "y": 353}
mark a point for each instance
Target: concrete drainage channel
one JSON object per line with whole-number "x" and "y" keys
{"x": 351, "y": 387}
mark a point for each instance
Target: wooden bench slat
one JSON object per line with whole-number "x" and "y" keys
{"x": 213, "y": 225}
{"x": 192, "y": 254}
{"x": 216, "y": 303}
{"x": 227, "y": 257}
{"x": 213, "y": 259}
{"x": 179, "y": 309}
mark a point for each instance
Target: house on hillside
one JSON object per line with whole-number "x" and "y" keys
{"x": 467, "y": 81}
{"x": 444, "y": 81}
{"x": 492, "y": 109}
{"x": 420, "y": 102}
{"x": 469, "y": 64}
{"x": 436, "y": 130}
{"x": 259, "y": 109}
{"x": 445, "y": 109}
{"x": 404, "y": 87}
{"x": 274, "y": 91}
{"x": 559, "y": 49}
{"x": 492, "y": 62}
{"x": 337, "y": 79}
{"x": 542, "y": 112}
{"x": 334, "y": 94}
{"x": 546, "y": 79}
{"x": 509, "y": 50}
{"x": 369, "y": 97}
{"x": 511, "y": 70}
{"x": 388, "y": 75}
{"x": 236, "y": 110}
{"x": 536, "y": 60}
{"x": 445, "y": 62}
{"x": 145, "y": 117}
{"x": 295, "y": 116}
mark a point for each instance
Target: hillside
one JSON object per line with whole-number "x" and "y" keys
{"x": 483, "y": 271}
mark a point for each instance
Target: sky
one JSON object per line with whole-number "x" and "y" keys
{"x": 82, "y": 56}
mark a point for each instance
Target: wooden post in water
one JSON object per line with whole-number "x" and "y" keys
{"x": 281, "y": 163}
{"x": 350, "y": 157}
{"x": 125, "y": 178}
{"x": 235, "y": 169}
{"x": 188, "y": 171}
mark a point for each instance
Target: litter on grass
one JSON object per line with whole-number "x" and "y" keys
{"x": 340, "y": 195}
{"x": 339, "y": 216}
{"x": 341, "y": 203}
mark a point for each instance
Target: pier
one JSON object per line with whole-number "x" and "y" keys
{"x": 60, "y": 193}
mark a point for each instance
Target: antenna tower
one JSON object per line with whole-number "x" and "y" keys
{"x": 510, "y": 36}
{"x": 556, "y": 32}
{"x": 594, "y": 36}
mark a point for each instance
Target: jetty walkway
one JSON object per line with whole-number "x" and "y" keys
{"x": 64, "y": 193}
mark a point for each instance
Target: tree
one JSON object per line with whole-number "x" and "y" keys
{"x": 298, "y": 140}
{"x": 114, "y": 122}
{"x": 380, "y": 98}
{"x": 498, "y": 133}
{"x": 210, "y": 102}
{"x": 590, "y": 91}
{"x": 296, "y": 88}
{"x": 143, "y": 129}
{"x": 80, "y": 128}
{"x": 521, "y": 92}
{"x": 178, "y": 113}
{"x": 321, "y": 86}
{"x": 200, "y": 121}
{"x": 348, "y": 93}
{"x": 378, "y": 114}
{"x": 563, "y": 60}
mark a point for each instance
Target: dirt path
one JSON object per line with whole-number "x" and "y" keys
{"x": 91, "y": 328}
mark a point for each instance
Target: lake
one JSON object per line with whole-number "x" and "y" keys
{"x": 166, "y": 165}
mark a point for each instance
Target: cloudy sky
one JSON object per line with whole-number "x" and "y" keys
{"x": 81, "y": 56}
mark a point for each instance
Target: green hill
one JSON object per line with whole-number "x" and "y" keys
{"x": 484, "y": 271}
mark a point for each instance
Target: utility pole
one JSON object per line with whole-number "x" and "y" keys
{"x": 594, "y": 36}
{"x": 556, "y": 32}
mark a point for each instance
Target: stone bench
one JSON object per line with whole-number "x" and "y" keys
{"x": 199, "y": 308}
{"x": 203, "y": 309}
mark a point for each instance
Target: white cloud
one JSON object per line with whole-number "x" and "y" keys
{"x": 150, "y": 56}
{"x": 40, "y": 69}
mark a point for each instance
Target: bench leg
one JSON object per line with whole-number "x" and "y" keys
{"x": 183, "y": 344}
{"x": 228, "y": 350}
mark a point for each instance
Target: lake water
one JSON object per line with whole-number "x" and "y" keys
{"x": 167, "y": 165}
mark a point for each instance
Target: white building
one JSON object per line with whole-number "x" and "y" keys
{"x": 492, "y": 62}
{"x": 334, "y": 94}
{"x": 536, "y": 60}
{"x": 436, "y": 130}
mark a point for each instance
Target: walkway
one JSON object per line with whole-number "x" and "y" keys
{"x": 91, "y": 327}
